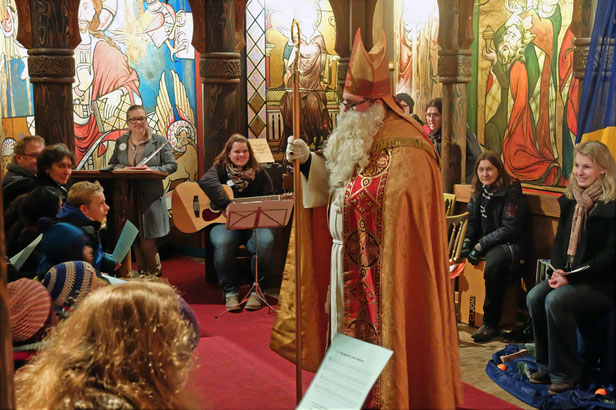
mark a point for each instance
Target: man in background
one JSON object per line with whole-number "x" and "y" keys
{"x": 20, "y": 177}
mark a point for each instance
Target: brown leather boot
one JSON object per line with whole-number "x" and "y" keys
{"x": 539, "y": 377}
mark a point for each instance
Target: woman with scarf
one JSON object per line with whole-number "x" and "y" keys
{"x": 586, "y": 237}
{"x": 497, "y": 230}
{"x": 237, "y": 168}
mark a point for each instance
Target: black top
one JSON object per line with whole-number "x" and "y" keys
{"x": 596, "y": 247}
{"x": 61, "y": 191}
{"x": 473, "y": 150}
{"x": 507, "y": 220}
{"x": 16, "y": 181}
{"x": 217, "y": 175}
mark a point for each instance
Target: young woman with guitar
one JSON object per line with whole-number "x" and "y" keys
{"x": 237, "y": 168}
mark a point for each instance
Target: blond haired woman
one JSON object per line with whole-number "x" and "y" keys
{"x": 125, "y": 346}
{"x": 586, "y": 237}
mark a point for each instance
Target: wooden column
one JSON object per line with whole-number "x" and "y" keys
{"x": 351, "y": 15}
{"x": 49, "y": 30}
{"x": 455, "y": 70}
{"x": 7, "y": 389}
{"x": 219, "y": 38}
{"x": 582, "y": 24}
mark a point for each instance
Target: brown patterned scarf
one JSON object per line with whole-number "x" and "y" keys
{"x": 240, "y": 179}
{"x": 585, "y": 201}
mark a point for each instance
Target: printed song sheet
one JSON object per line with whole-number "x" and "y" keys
{"x": 346, "y": 375}
{"x": 261, "y": 149}
{"x": 125, "y": 241}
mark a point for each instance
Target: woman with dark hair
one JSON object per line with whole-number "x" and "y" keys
{"x": 586, "y": 237}
{"x": 54, "y": 168}
{"x": 498, "y": 230}
{"x": 237, "y": 167}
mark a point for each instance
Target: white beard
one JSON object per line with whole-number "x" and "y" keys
{"x": 348, "y": 147}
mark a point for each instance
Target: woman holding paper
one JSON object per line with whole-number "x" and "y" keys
{"x": 141, "y": 149}
{"x": 583, "y": 259}
{"x": 237, "y": 168}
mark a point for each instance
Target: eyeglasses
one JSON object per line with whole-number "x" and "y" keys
{"x": 433, "y": 115}
{"x": 349, "y": 106}
{"x": 136, "y": 120}
{"x": 31, "y": 155}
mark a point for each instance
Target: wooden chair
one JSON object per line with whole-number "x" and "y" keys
{"x": 456, "y": 229}
{"x": 450, "y": 203}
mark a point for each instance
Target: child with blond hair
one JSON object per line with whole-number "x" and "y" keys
{"x": 86, "y": 209}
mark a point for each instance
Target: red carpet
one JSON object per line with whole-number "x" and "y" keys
{"x": 234, "y": 367}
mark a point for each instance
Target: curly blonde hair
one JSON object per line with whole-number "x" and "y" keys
{"x": 129, "y": 340}
{"x": 601, "y": 157}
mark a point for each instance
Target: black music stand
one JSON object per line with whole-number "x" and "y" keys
{"x": 253, "y": 215}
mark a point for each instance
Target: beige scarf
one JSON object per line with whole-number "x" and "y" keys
{"x": 585, "y": 201}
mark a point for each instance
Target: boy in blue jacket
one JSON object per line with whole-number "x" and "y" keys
{"x": 86, "y": 209}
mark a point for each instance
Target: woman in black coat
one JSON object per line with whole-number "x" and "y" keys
{"x": 498, "y": 230}
{"x": 586, "y": 237}
{"x": 54, "y": 168}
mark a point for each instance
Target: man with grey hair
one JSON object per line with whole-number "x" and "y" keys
{"x": 19, "y": 178}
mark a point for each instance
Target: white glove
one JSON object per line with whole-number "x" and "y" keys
{"x": 297, "y": 149}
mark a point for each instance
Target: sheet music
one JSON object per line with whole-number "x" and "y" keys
{"x": 261, "y": 149}
{"x": 346, "y": 375}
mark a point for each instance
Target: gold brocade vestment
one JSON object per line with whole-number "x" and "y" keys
{"x": 396, "y": 279}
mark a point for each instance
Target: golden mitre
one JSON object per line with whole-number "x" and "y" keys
{"x": 368, "y": 76}
{"x": 368, "y": 73}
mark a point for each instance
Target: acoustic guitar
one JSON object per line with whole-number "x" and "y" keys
{"x": 191, "y": 206}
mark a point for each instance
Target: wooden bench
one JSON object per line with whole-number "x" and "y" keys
{"x": 545, "y": 212}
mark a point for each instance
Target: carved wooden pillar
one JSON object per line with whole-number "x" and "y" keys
{"x": 351, "y": 15}
{"x": 49, "y": 30}
{"x": 455, "y": 70}
{"x": 581, "y": 25}
{"x": 7, "y": 396}
{"x": 219, "y": 37}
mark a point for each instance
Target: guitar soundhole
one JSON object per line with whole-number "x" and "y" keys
{"x": 209, "y": 215}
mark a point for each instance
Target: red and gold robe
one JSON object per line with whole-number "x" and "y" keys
{"x": 396, "y": 280}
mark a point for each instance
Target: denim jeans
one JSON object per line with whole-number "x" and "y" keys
{"x": 553, "y": 313}
{"x": 226, "y": 244}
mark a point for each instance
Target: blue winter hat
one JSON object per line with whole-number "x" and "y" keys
{"x": 63, "y": 242}
{"x": 69, "y": 283}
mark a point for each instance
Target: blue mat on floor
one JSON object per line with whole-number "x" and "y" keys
{"x": 515, "y": 381}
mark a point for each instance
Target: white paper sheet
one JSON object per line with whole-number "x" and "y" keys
{"x": 20, "y": 258}
{"x": 346, "y": 375}
{"x": 125, "y": 241}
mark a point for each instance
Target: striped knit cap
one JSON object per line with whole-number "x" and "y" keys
{"x": 29, "y": 308}
{"x": 69, "y": 282}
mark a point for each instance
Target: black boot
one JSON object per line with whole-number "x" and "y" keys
{"x": 485, "y": 333}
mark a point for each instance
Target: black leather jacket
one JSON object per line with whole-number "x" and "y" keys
{"x": 508, "y": 221}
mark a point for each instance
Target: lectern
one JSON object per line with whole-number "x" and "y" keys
{"x": 125, "y": 203}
